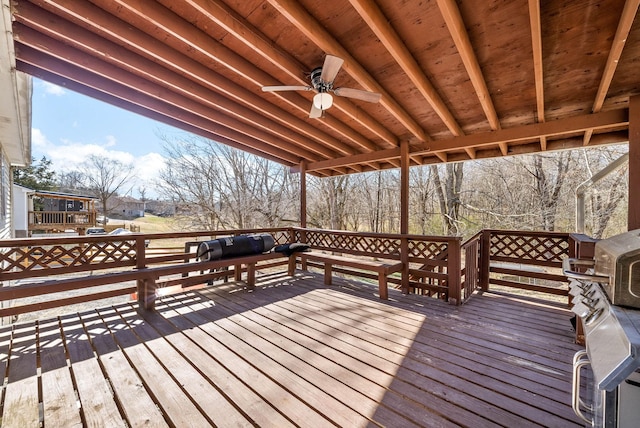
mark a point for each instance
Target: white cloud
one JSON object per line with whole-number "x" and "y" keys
{"x": 39, "y": 140}
{"x": 51, "y": 89}
{"x": 70, "y": 155}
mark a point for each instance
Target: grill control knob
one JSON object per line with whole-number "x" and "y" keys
{"x": 580, "y": 309}
{"x": 594, "y": 315}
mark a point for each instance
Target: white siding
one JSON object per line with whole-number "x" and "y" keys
{"x": 5, "y": 197}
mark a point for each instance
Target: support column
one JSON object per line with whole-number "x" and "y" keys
{"x": 633, "y": 215}
{"x": 404, "y": 187}
{"x": 404, "y": 213}
{"x": 303, "y": 194}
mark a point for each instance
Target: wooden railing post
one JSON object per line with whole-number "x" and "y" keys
{"x": 454, "y": 266}
{"x": 485, "y": 253}
{"x": 146, "y": 286}
{"x": 404, "y": 258}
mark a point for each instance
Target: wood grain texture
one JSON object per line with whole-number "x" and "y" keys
{"x": 297, "y": 353}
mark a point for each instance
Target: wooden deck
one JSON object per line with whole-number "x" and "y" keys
{"x": 293, "y": 353}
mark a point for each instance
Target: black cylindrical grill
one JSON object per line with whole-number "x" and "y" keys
{"x": 234, "y": 246}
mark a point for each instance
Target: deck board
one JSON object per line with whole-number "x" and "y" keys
{"x": 294, "y": 352}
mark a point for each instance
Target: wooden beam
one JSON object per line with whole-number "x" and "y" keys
{"x": 380, "y": 25}
{"x": 381, "y": 155}
{"x": 115, "y": 90}
{"x": 629, "y": 13}
{"x": 182, "y": 35}
{"x": 146, "y": 92}
{"x": 147, "y": 47}
{"x": 307, "y": 24}
{"x": 538, "y": 72}
{"x": 633, "y": 215}
{"x": 604, "y": 120}
{"x": 160, "y": 76}
{"x": 237, "y": 26}
{"x": 458, "y": 31}
{"x": 536, "y": 44}
{"x": 611, "y": 119}
{"x": 625, "y": 22}
{"x": 152, "y": 114}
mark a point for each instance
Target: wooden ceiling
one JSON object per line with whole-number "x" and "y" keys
{"x": 460, "y": 80}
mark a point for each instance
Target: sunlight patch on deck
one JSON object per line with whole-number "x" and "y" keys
{"x": 531, "y": 364}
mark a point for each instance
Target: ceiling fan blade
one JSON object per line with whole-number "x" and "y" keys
{"x": 286, "y": 88}
{"x": 330, "y": 68}
{"x": 372, "y": 97}
{"x": 315, "y": 112}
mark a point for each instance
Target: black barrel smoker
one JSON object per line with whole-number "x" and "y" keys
{"x": 234, "y": 246}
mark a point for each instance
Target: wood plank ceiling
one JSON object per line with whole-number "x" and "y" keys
{"x": 460, "y": 80}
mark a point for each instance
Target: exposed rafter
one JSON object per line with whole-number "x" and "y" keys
{"x": 224, "y": 16}
{"x": 536, "y": 45}
{"x": 629, "y": 14}
{"x": 296, "y": 14}
{"x": 201, "y": 65}
{"x": 603, "y": 121}
{"x": 379, "y": 24}
{"x": 456, "y": 26}
{"x": 186, "y": 34}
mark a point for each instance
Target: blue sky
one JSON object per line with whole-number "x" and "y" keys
{"x": 68, "y": 127}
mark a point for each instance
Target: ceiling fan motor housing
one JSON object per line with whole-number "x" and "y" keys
{"x": 317, "y": 82}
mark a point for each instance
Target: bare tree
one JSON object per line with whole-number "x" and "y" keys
{"x": 221, "y": 187}
{"x": 329, "y": 206}
{"x": 606, "y": 196}
{"x": 548, "y": 173}
{"x": 448, "y": 190}
{"x": 422, "y": 192}
{"x": 106, "y": 177}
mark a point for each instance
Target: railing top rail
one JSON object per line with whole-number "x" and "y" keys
{"x": 475, "y": 237}
{"x": 384, "y": 235}
{"x": 526, "y": 232}
{"x": 97, "y": 238}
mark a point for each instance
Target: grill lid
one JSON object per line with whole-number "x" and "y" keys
{"x": 618, "y": 258}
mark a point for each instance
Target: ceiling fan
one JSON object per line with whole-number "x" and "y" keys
{"x": 322, "y": 83}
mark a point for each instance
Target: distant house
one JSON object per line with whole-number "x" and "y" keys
{"x": 125, "y": 207}
{"x": 50, "y": 212}
{"x": 15, "y": 121}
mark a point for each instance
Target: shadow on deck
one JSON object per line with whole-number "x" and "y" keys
{"x": 294, "y": 353}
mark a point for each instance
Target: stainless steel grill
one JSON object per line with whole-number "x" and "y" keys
{"x": 606, "y": 296}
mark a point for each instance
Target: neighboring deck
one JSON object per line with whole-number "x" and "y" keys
{"x": 294, "y": 353}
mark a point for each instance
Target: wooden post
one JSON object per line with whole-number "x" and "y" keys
{"x": 146, "y": 286}
{"x": 303, "y": 208}
{"x": 485, "y": 246}
{"x": 404, "y": 187}
{"x": 454, "y": 270}
{"x": 303, "y": 194}
{"x": 404, "y": 213}
{"x": 633, "y": 216}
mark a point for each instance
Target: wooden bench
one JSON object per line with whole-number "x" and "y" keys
{"x": 383, "y": 268}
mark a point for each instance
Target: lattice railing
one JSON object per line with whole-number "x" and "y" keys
{"x": 47, "y": 259}
{"x": 427, "y": 259}
{"x": 524, "y": 260}
{"x": 529, "y": 247}
{"x": 373, "y": 245}
{"x": 426, "y": 249}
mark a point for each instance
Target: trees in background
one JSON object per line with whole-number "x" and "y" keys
{"x": 221, "y": 187}
{"x": 37, "y": 176}
{"x": 105, "y": 178}
{"x": 217, "y": 186}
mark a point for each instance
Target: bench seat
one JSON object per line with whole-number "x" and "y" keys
{"x": 383, "y": 268}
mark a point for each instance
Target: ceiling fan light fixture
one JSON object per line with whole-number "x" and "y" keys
{"x": 322, "y": 100}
